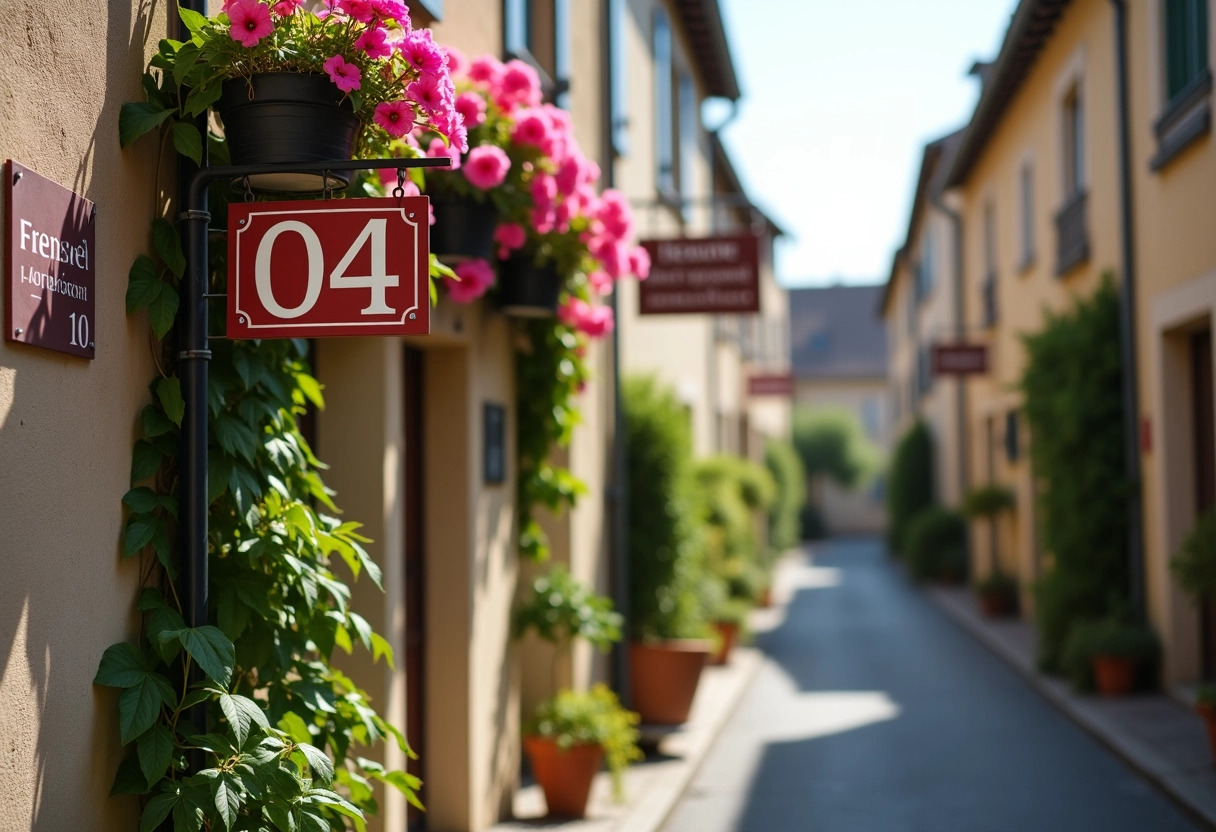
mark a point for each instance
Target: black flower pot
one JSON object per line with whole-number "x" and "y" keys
{"x": 463, "y": 229}
{"x": 284, "y": 117}
{"x": 526, "y": 290}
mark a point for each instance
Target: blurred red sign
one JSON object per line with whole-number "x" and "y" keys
{"x": 959, "y": 359}
{"x": 775, "y": 385}
{"x": 708, "y": 275}
{"x": 330, "y": 267}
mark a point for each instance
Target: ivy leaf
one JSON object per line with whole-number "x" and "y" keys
{"x": 143, "y": 283}
{"x": 165, "y": 236}
{"x": 142, "y": 500}
{"x": 155, "y": 749}
{"x": 187, "y": 58}
{"x": 200, "y": 98}
{"x": 145, "y": 459}
{"x": 162, "y": 310}
{"x": 311, "y": 389}
{"x": 235, "y": 437}
{"x": 188, "y": 142}
{"x": 122, "y": 666}
{"x": 322, "y": 767}
{"x": 295, "y": 727}
{"x": 165, "y": 620}
{"x": 362, "y": 628}
{"x": 324, "y": 797}
{"x": 156, "y": 811}
{"x": 169, "y": 391}
{"x": 154, "y": 421}
{"x": 129, "y": 779}
{"x": 242, "y": 714}
{"x": 137, "y": 118}
{"x": 380, "y": 647}
{"x": 211, "y": 650}
{"x": 227, "y": 798}
{"x": 138, "y": 534}
{"x": 190, "y": 810}
{"x": 195, "y": 23}
{"x": 138, "y": 708}
{"x": 312, "y": 822}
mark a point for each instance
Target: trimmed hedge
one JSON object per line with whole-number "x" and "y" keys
{"x": 937, "y": 545}
{"x": 783, "y": 518}
{"x": 910, "y": 487}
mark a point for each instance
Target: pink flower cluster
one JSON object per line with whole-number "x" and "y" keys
{"x": 593, "y": 321}
{"x": 476, "y": 277}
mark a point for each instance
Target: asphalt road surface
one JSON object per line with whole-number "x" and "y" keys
{"x": 874, "y": 713}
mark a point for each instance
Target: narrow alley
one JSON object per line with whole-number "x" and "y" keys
{"x": 873, "y": 711}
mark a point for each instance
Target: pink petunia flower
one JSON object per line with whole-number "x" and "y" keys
{"x": 594, "y": 321}
{"x": 437, "y": 148}
{"x": 518, "y": 86}
{"x": 392, "y": 10}
{"x": 487, "y": 166}
{"x": 250, "y": 22}
{"x": 428, "y": 92}
{"x": 457, "y": 62}
{"x": 532, "y": 127}
{"x": 568, "y": 174}
{"x": 374, "y": 42}
{"x": 601, "y": 282}
{"x": 639, "y": 262}
{"x": 396, "y": 117}
{"x": 486, "y": 70}
{"x": 285, "y": 8}
{"x": 510, "y": 235}
{"x": 476, "y": 277}
{"x": 363, "y": 11}
{"x": 473, "y": 107}
{"x": 346, "y": 76}
{"x": 420, "y": 51}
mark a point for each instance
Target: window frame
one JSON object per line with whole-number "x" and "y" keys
{"x": 663, "y": 46}
{"x": 1186, "y": 105}
{"x": 1073, "y": 134}
{"x": 1026, "y": 215}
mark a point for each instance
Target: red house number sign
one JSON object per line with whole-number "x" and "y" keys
{"x": 326, "y": 268}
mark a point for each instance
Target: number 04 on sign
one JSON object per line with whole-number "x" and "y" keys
{"x": 328, "y": 268}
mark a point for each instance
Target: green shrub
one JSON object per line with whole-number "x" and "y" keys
{"x": 1111, "y": 636}
{"x": 786, "y": 469}
{"x": 987, "y": 501}
{"x": 560, "y": 608}
{"x": 910, "y": 487}
{"x": 665, "y": 565}
{"x": 1195, "y": 564}
{"x": 831, "y": 443}
{"x": 1074, "y": 409}
{"x": 937, "y": 545}
{"x": 729, "y": 492}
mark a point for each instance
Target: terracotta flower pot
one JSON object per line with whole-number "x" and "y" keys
{"x": 564, "y": 776}
{"x": 1114, "y": 675}
{"x": 665, "y": 676}
{"x": 1208, "y": 712}
{"x": 728, "y": 633}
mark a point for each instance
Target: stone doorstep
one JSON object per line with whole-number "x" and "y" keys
{"x": 1156, "y": 734}
{"x": 653, "y": 787}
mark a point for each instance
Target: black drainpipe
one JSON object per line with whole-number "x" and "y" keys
{"x": 1127, "y": 328}
{"x": 619, "y": 493}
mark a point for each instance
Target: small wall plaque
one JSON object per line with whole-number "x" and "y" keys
{"x": 50, "y": 264}
{"x": 494, "y": 464}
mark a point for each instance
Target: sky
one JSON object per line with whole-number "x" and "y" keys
{"x": 839, "y": 98}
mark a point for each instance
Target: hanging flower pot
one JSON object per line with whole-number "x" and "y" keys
{"x": 528, "y": 290}
{"x": 463, "y": 229}
{"x": 285, "y": 117}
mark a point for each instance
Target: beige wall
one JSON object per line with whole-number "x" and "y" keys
{"x": 1079, "y": 52}
{"x": 1176, "y": 282}
{"x": 67, "y": 425}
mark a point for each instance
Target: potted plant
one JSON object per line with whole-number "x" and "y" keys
{"x": 292, "y": 85}
{"x": 568, "y": 740}
{"x": 668, "y": 647}
{"x": 1205, "y": 706}
{"x": 998, "y": 593}
{"x": 728, "y": 620}
{"x": 1195, "y": 568}
{"x": 1111, "y": 653}
{"x": 935, "y": 545}
{"x": 574, "y": 732}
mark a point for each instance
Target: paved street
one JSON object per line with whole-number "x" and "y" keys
{"x": 874, "y": 713}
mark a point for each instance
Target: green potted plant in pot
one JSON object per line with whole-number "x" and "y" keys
{"x": 935, "y": 545}
{"x": 1109, "y": 654}
{"x": 292, "y": 85}
{"x": 667, "y": 626}
{"x": 574, "y": 732}
{"x": 998, "y": 593}
{"x": 1194, "y": 567}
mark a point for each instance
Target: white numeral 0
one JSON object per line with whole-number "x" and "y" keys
{"x": 373, "y": 234}
{"x": 79, "y": 325}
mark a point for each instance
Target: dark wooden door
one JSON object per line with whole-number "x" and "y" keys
{"x": 1205, "y": 467}
{"x": 415, "y": 574}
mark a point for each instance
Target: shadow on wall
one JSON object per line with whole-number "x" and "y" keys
{"x": 62, "y": 747}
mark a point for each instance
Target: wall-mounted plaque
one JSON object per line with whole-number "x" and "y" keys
{"x": 698, "y": 276}
{"x": 50, "y": 264}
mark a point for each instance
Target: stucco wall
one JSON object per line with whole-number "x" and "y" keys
{"x": 67, "y": 425}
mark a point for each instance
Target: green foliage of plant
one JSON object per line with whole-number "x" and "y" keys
{"x": 560, "y": 608}
{"x": 1111, "y": 636}
{"x": 987, "y": 501}
{"x": 549, "y": 372}
{"x": 664, "y": 563}
{"x": 785, "y": 467}
{"x": 832, "y": 444}
{"x": 998, "y": 583}
{"x": 594, "y": 717}
{"x": 728, "y": 492}
{"x": 1195, "y": 564}
{"x": 1074, "y": 408}
{"x": 937, "y": 545}
{"x": 911, "y": 486}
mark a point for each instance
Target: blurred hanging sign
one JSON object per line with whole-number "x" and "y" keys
{"x": 959, "y": 359}
{"x": 330, "y": 267}
{"x": 771, "y": 385}
{"x": 50, "y": 264}
{"x": 707, "y": 275}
